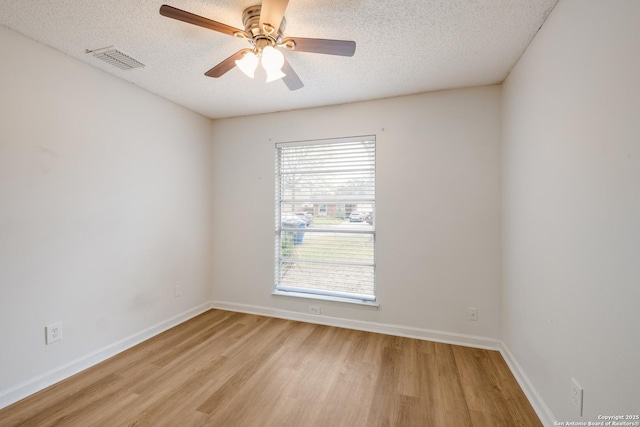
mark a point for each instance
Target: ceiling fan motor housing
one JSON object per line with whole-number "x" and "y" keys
{"x": 251, "y": 22}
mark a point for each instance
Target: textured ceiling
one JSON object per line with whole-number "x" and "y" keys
{"x": 403, "y": 47}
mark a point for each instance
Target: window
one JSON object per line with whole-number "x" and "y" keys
{"x": 329, "y": 250}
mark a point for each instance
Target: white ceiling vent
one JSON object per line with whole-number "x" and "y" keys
{"x": 115, "y": 58}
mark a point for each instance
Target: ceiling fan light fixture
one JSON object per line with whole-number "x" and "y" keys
{"x": 272, "y": 62}
{"x": 248, "y": 64}
{"x": 272, "y": 59}
{"x": 273, "y": 75}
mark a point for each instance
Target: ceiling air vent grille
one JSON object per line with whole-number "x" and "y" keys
{"x": 115, "y": 58}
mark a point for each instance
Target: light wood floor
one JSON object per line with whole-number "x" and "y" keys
{"x": 231, "y": 369}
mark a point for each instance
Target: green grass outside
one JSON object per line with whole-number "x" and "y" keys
{"x": 327, "y": 220}
{"x": 335, "y": 247}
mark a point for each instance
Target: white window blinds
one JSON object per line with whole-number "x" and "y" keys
{"x": 325, "y": 217}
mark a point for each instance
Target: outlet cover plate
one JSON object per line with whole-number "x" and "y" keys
{"x": 53, "y": 332}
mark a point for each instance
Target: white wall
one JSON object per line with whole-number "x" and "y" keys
{"x": 571, "y": 174}
{"x": 105, "y": 203}
{"x": 438, "y": 207}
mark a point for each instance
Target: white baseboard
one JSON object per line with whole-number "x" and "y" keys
{"x": 381, "y": 328}
{"x": 541, "y": 408}
{"x": 14, "y": 394}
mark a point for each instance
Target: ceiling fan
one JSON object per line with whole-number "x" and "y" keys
{"x": 264, "y": 26}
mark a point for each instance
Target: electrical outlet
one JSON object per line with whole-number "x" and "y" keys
{"x": 177, "y": 291}
{"x": 472, "y": 314}
{"x": 53, "y": 332}
{"x": 314, "y": 309}
{"x": 576, "y": 396}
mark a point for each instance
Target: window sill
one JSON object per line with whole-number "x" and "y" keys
{"x": 369, "y": 304}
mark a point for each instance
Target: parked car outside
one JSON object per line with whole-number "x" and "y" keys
{"x": 356, "y": 217}
{"x": 306, "y": 217}
{"x": 368, "y": 217}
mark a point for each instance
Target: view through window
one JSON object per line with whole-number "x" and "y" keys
{"x": 325, "y": 217}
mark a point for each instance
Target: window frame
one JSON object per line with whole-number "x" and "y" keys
{"x": 320, "y": 293}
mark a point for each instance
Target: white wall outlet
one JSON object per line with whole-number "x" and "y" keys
{"x": 177, "y": 291}
{"x": 314, "y": 309}
{"x": 472, "y": 314}
{"x": 576, "y": 396}
{"x": 53, "y": 332}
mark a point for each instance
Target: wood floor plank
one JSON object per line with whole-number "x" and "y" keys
{"x": 355, "y": 378}
{"x": 233, "y": 369}
{"x": 512, "y": 398}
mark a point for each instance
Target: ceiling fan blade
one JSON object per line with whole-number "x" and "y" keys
{"x": 291, "y": 79}
{"x": 226, "y": 65}
{"x": 181, "y": 15}
{"x": 329, "y": 47}
{"x": 272, "y": 12}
